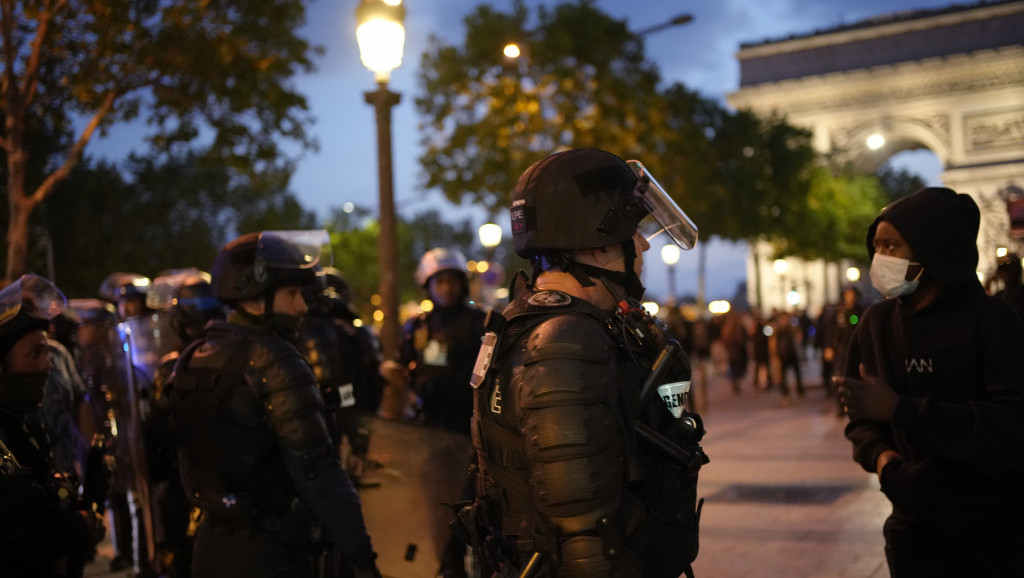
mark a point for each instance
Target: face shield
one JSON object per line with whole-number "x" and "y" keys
{"x": 164, "y": 293}
{"x": 294, "y": 249}
{"x": 665, "y": 215}
{"x": 36, "y": 295}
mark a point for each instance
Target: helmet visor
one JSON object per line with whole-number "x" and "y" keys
{"x": 294, "y": 249}
{"x": 45, "y": 300}
{"x": 163, "y": 293}
{"x": 665, "y": 215}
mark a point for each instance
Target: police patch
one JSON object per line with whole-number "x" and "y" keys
{"x": 549, "y": 299}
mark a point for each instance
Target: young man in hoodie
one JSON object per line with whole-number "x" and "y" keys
{"x": 934, "y": 389}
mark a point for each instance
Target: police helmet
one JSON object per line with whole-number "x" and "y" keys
{"x": 331, "y": 294}
{"x": 256, "y": 264}
{"x": 589, "y": 198}
{"x": 27, "y": 305}
{"x": 119, "y": 286}
{"x": 437, "y": 260}
{"x": 573, "y": 200}
{"x": 92, "y": 310}
{"x": 188, "y": 292}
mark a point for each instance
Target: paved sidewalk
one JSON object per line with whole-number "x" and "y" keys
{"x": 782, "y": 495}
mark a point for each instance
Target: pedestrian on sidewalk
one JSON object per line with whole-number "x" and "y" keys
{"x": 788, "y": 342}
{"x": 934, "y": 389}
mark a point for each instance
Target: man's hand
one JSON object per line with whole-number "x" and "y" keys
{"x": 867, "y": 398}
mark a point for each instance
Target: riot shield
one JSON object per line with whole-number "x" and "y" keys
{"x": 419, "y": 470}
{"x": 141, "y": 342}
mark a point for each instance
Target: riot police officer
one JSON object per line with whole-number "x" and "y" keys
{"x": 127, "y": 291}
{"x": 46, "y": 529}
{"x": 439, "y": 346}
{"x": 255, "y": 453}
{"x": 587, "y": 456}
{"x": 186, "y": 296}
{"x": 132, "y": 346}
{"x": 345, "y": 359}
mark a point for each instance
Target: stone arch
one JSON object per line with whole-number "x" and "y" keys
{"x": 949, "y": 80}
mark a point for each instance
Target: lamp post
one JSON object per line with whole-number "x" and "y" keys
{"x": 381, "y": 37}
{"x": 670, "y": 256}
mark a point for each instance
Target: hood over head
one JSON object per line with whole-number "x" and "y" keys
{"x": 941, "y": 228}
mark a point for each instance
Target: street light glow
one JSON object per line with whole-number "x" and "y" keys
{"x": 875, "y": 141}
{"x": 852, "y": 274}
{"x": 670, "y": 254}
{"x": 381, "y": 36}
{"x": 490, "y": 235}
{"x": 511, "y": 50}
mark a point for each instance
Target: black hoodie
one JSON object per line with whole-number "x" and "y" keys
{"x": 958, "y": 366}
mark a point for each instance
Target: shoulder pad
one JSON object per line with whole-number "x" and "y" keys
{"x": 570, "y": 337}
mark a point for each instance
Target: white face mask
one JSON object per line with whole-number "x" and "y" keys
{"x": 889, "y": 276}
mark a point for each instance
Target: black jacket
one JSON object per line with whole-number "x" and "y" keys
{"x": 259, "y": 439}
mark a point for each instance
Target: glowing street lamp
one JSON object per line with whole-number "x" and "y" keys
{"x": 490, "y": 236}
{"x": 381, "y": 37}
{"x": 875, "y": 141}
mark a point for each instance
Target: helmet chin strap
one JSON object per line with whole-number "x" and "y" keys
{"x": 585, "y": 274}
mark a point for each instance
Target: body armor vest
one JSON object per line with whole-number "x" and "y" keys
{"x": 654, "y": 455}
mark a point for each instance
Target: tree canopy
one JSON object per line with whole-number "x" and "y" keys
{"x": 582, "y": 79}
{"x": 210, "y": 72}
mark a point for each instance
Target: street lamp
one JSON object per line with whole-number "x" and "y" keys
{"x": 490, "y": 237}
{"x": 381, "y": 37}
{"x": 677, "y": 21}
{"x": 512, "y": 50}
{"x": 670, "y": 256}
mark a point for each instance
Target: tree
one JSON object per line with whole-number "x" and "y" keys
{"x": 108, "y": 212}
{"x": 354, "y": 245}
{"x": 211, "y": 71}
{"x": 582, "y": 80}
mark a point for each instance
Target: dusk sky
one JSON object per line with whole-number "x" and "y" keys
{"x": 701, "y": 55}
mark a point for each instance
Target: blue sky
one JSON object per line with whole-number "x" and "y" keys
{"x": 700, "y": 54}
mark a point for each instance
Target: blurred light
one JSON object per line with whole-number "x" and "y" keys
{"x": 482, "y": 266}
{"x": 511, "y": 50}
{"x": 357, "y": 322}
{"x": 501, "y": 293}
{"x": 670, "y": 254}
{"x": 381, "y": 36}
{"x": 1001, "y": 252}
{"x": 375, "y": 300}
{"x": 490, "y": 235}
{"x": 471, "y": 266}
{"x": 651, "y": 307}
{"x": 348, "y": 207}
{"x": 378, "y": 315}
{"x": 768, "y": 330}
{"x": 780, "y": 266}
{"x": 852, "y": 274}
{"x": 427, "y": 305}
{"x": 875, "y": 141}
{"x": 719, "y": 307}
{"x": 793, "y": 297}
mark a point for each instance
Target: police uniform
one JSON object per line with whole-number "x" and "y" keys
{"x": 255, "y": 455}
{"x": 583, "y": 470}
{"x": 558, "y": 454}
